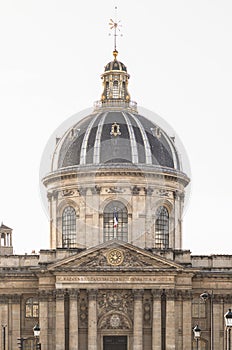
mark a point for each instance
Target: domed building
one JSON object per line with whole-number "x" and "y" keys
{"x": 116, "y": 163}
{"x": 116, "y": 276}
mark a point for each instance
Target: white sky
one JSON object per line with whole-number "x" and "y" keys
{"x": 179, "y": 56}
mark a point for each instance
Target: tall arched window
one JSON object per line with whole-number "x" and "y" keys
{"x": 115, "y": 221}
{"x": 162, "y": 228}
{"x": 69, "y": 227}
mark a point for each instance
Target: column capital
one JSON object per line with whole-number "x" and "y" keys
{"x": 15, "y": 298}
{"x": 156, "y": 293}
{"x": 186, "y": 294}
{"x": 44, "y": 295}
{"x": 138, "y": 293}
{"x": 4, "y": 299}
{"x": 170, "y": 294}
{"x": 59, "y": 293}
{"x": 92, "y": 294}
{"x": 74, "y": 293}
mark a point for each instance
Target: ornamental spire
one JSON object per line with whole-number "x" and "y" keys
{"x": 115, "y": 25}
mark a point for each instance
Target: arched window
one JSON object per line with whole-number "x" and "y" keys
{"x": 115, "y": 221}
{"x": 32, "y": 307}
{"x": 69, "y": 227}
{"x": 123, "y": 89}
{"x": 115, "y": 89}
{"x": 162, "y": 228}
{"x": 107, "y": 90}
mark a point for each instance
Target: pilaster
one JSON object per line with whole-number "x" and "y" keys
{"x": 60, "y": 324}
{"x": 73, "y": 319}
{"x": 187, "y": 320}
{"x": 138, "y": 320}
{"x": 170, "y": 320}
{"x": 156, "y": 321}
{"x": 14, "y": 321}
{"x": 92, "y": 320}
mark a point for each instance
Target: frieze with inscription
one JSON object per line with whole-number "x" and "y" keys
{"x": 114, "y": 279}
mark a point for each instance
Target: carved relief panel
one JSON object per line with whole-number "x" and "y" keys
{"x": 115, "y": 309}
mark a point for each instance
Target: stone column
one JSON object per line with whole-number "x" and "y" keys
{"x": 60, "y": 326}
{"x": 14, "y": 321}
{"x": 4, "y": 319}
{"x": 43, "y": 318}
{"x": 156, "y": 320}
{"x": 170, "y": 321}
{"x": 73, "y": 320}
{"x": 218, "y": 314}
{"x": 92, "y": 320}
{"x": 187, "y": 320}
{"x": 138, "y": 320}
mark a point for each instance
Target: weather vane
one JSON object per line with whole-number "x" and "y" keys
{"x": 115, "y": 25}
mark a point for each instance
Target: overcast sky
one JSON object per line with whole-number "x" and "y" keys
{"x": 179, "y": 56}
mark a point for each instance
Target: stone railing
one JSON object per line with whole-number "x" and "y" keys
{"x": 115, "y": 104}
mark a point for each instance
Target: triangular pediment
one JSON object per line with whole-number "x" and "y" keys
{"x": 114, "y": 255}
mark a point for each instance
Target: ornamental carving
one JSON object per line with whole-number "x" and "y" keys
{"x": 115, "y": 189}
{"x": 135, "y": 190}
{"x": 133, "y": 261}
{"x": 114, "y": 321}
{"x": 83, "y": 310}
{"x": 129, "y": 260}
{"x": 147, "y": 311}
{"x": 67, "y": 193}
{"x": 148, "y": 191}
{"x": 96, "y": 190}
{"x": 115, "y": 300}
{"x": 163, "y": 193}
{"x": 95, "y": 260}
{"x": 82, "y": 191}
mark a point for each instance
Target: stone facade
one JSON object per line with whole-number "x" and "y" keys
{"x": 87, "y": 295}
{"x": 115, "y": 276}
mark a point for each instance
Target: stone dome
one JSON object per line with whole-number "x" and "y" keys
{"x": 115, "y": 65}
{"x": 112, "y": 137}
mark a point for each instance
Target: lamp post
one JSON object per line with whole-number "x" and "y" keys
{"x": 4, "y": 336}
{"x": 20, "y": 342}
{"x": 228, "y": 324}
{"x": 197, "y": 334}
{"x": 36, "y": 330}
{"x": 205, "y": 296}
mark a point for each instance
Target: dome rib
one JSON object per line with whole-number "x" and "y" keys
{"x": 145, "y": 140}
{"x": 134, "y": 149}
{"x": 85, "y": 141}
{"x": 97, "y": 144}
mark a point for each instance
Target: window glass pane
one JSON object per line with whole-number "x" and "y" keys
{"x": 115, "y": 89}
{"x": 115, "y": 221}
{"x": 162, "y": 228}
{"x": 69, "y": 227}
{"x": 32, "y": 307}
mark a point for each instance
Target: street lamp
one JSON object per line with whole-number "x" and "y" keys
{"x": 197, "y": 334}
{"x": 36, "y": 330}
{"x": 228, "y": 324}
{"x": 205, "y": 296}
{"x": 4, "y": 336}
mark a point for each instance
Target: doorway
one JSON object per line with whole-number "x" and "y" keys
{"x": 115, "y": 343}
